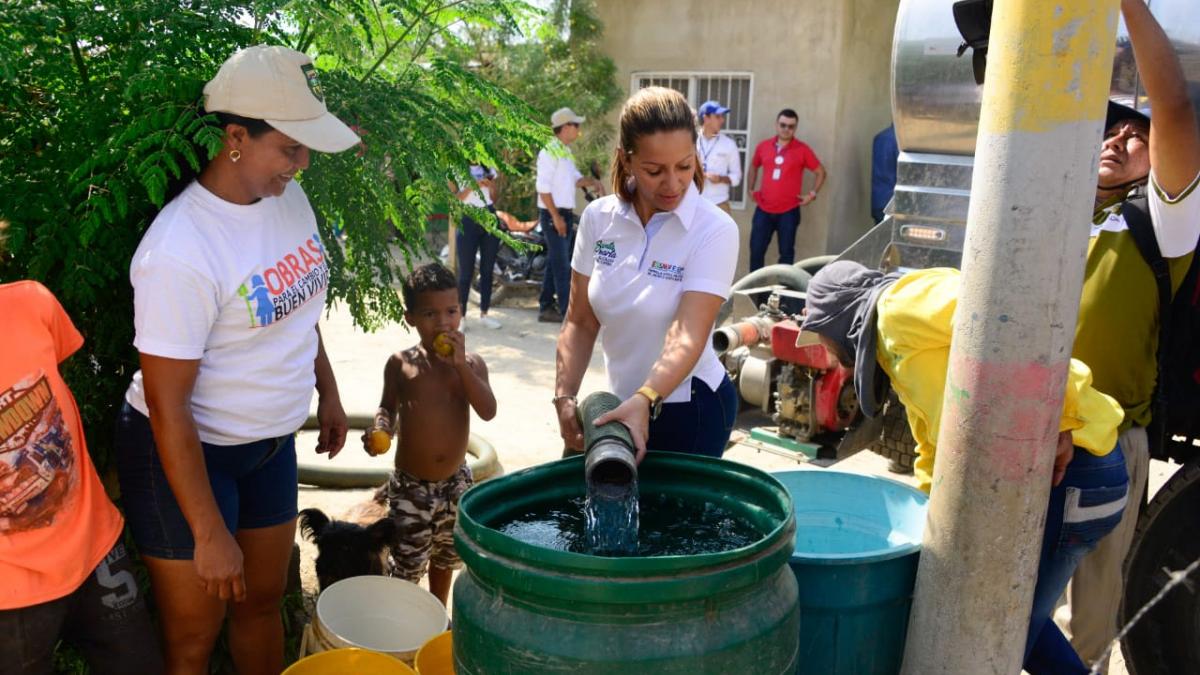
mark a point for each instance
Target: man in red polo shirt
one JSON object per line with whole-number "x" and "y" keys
{"x": 779, "y": 198}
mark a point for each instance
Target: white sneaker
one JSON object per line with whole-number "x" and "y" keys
{"x": 489, "y": 322}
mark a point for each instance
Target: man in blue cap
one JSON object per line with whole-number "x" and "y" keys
{"x": 719, "y": 158}
{"x": 1156, "y": 159}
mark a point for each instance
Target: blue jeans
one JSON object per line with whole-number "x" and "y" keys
{"x": 699, "y": 427}
{"x": 471, "y": 238}
{"x": 766, "y": 224}
{"x": 1084, "y": 507}
{"x": 558, "y": 260}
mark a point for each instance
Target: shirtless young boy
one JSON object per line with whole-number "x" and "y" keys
{"x": 430, "y": 393}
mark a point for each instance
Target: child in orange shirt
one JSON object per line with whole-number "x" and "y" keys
{"x": 66, "y": 572}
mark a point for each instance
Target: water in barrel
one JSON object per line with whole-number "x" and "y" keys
{"x": 662, "y": 524}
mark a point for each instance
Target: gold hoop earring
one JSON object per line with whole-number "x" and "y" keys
{"x": 235, "y": 155}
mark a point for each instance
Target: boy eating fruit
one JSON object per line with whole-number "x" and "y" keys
{"x": 429, "y": 386}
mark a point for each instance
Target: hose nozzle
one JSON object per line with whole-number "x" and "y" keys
{"x": 610, "y": 459}
{"x": 747, "y": 332}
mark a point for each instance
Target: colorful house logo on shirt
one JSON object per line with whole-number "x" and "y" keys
{"x": 278, "y": 290}
{"x": 662, "y": 270}
{"x": 606, "y": 252}
{"x": 36, "y": 457}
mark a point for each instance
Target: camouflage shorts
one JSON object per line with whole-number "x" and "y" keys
{"x": 424, "y": 512}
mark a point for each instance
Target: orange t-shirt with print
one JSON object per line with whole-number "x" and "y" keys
{"x": 56, "y": 522}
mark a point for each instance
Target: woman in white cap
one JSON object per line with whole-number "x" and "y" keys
{"x": 229, "y": 283}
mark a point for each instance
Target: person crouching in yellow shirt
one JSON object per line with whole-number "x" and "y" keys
{"x": 895, "y": 330}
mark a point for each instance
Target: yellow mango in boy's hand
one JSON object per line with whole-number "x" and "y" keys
{"x": 381, "y": 442}
{"x": 442, "y": 345}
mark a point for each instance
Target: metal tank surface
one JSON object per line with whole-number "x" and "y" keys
{"x": 935, "y": 108}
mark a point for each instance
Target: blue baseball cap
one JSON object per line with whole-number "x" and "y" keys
{"x": 711, "y": 108}
{"x": 1119, "y": 111}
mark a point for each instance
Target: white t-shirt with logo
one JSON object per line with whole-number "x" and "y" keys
{"x": 240, "y": 288}
{"x": 719, "y": 155}
{"x": 638, "y": 276}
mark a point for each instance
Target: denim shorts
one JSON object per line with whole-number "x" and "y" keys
{"x": 254, "y": 485}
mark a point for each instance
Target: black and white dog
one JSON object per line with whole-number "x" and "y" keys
{"x": 345, "y": 548}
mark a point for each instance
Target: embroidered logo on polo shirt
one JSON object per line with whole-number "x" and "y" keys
{"x": 606, "y": 252}
{"x": 662, "y": 270}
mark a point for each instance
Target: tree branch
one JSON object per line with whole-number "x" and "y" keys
{"x": 424, "y": 14}
{"x": 303, "y": 34}
{"x": 76, "y": 53}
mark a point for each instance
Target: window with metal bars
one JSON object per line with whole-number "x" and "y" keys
{"x": 732, "y": 90}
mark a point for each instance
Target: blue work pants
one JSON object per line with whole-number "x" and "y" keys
{"x": 557, "y": 279}
{"x": 763, "y": 226}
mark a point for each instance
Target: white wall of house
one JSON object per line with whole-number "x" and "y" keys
{"x": 829, "y": 61}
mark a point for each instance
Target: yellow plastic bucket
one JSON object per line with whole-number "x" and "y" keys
{"x": 436, "y": 657}
{"x": 342, "y": 661}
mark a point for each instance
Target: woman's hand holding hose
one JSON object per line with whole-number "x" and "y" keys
{"x": 634, "y": 413}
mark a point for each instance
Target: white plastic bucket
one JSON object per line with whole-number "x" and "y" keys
{"x": 382, "y": 614}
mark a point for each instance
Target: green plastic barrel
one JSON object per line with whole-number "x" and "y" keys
{"x": 521, "y": 608}
{"x": 857, "y": 543}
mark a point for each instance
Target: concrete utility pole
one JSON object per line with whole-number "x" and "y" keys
{"x": 1048, "y": 71}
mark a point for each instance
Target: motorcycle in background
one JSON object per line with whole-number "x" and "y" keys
{"x": 515, "y": 269}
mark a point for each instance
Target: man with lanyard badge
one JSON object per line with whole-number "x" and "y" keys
{"x": 779, "y": 197}
{"x": 719, "y": 158}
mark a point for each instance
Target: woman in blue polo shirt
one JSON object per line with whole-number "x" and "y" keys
{"x": 653, "y": 263}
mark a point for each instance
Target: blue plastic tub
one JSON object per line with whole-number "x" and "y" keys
{"x": 857, "y": 542}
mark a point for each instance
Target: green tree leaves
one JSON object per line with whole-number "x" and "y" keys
{"x": 101, "y": 121}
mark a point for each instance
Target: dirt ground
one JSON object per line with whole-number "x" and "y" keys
{"x": 520, "y": 359}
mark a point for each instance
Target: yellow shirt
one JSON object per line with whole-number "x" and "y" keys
{"x": 1117, "y": 331}
{"x": 915, "y": 322}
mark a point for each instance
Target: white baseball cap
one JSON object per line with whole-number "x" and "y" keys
{"x": 279, "y": 86}
{"x": 565, "y": 116}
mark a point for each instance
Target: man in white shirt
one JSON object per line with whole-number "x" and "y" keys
{"x": 719, "y": 158}
{"x": 557, "y": 179}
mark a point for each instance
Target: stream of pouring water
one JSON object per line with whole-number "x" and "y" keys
{"x": 611, "y": 518}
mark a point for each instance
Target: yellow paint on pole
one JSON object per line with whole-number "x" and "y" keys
{"x": 1043, "y": 58}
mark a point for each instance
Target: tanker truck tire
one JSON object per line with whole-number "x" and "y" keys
{"x": 896, "y": 443}
{"x": 1167, "y": 639}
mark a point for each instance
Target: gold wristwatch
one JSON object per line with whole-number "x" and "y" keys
{"x": 655, "y": 398}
